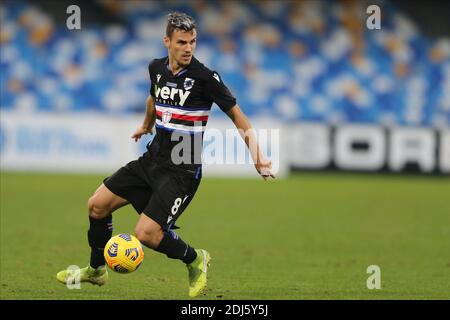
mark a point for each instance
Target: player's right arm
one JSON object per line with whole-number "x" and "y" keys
{"x": 149, "y": 120}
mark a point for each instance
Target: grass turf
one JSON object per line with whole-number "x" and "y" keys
{"x": 306, "y": 237}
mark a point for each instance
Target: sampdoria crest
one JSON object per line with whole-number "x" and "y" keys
{"x": 188, "y": 83}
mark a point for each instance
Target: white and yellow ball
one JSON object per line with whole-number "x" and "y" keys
{"x": 123, "y": 253}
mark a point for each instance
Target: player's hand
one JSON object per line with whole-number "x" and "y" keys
{"x": 140, "y": 132}
{"x": 264, "y": 168}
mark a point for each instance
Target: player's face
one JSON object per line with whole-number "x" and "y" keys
{"x": 181, "y": 46}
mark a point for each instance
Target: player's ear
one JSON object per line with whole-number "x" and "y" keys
{"x": 166, "y": 41}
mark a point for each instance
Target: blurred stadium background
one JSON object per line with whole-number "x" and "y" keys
{"x": 344, "y": 98}
{"x": 293, "y": 62}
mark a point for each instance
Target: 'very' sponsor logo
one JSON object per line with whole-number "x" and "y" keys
{"x": 173, "y": 94}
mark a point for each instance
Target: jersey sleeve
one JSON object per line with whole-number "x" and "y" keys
{"x": 219, "y": 93}
{"x": 151, "y": 72}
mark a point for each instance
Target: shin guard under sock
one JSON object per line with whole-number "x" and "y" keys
{"x": 100, "y": 231}
{"x": 175, "y": 248}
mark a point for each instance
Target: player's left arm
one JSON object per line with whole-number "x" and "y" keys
{"x": 240, "y": 120}
{"x": 219, "y": 93}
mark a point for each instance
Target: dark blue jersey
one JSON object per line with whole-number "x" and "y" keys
{"x": 183, "y": 103}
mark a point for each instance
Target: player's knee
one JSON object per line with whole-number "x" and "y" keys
{"x": 96, "y": 210}
{"x": 150, "y": 238}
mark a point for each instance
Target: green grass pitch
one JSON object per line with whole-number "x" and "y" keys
{"x": 310, "y": 236}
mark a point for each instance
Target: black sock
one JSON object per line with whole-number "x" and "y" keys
{"x": 100, "y": 231}
{"x": 175, "y": 248}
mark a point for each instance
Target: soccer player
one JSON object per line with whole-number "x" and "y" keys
{"x": 161, "y": 183}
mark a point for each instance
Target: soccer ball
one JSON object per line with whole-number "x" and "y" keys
{"x": 123, "y": 253}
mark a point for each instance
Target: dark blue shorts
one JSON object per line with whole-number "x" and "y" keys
{"x": 159, "y": 190}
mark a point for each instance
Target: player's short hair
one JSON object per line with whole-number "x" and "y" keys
{"x": 178, "y": 20}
